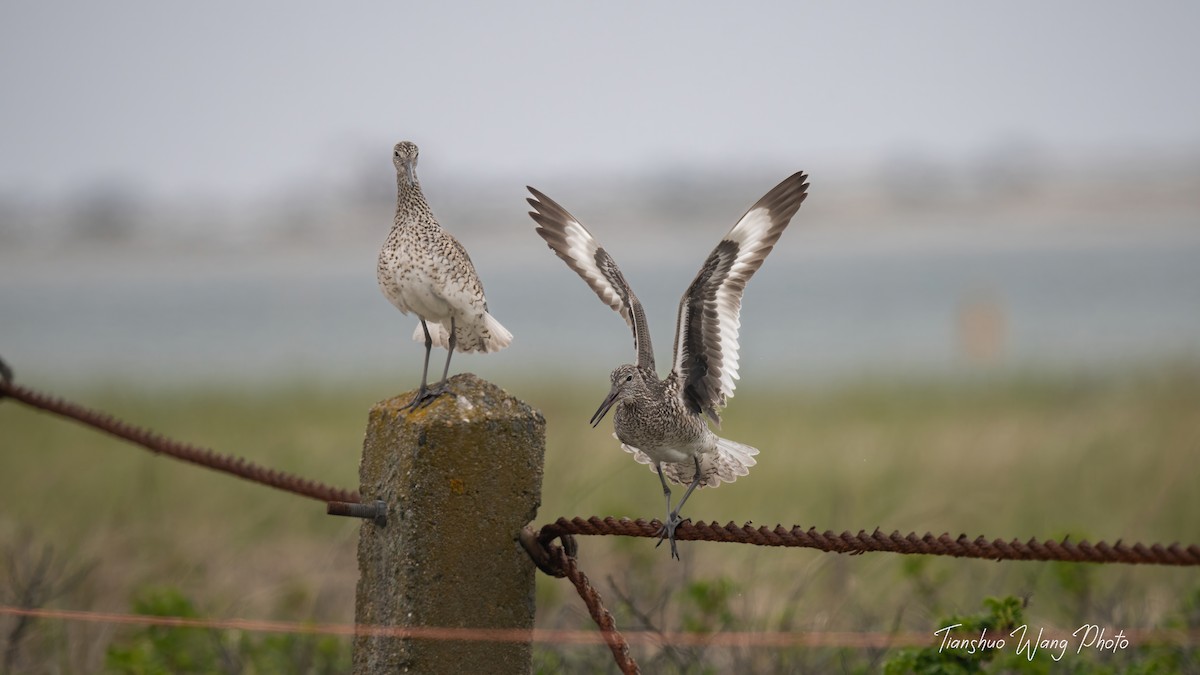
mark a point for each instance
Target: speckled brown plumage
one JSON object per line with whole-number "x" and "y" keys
{"x": 424, "y": 270}
{"x": 662, "y": 422}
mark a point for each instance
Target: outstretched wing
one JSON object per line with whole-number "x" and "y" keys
{"x": 706, "y": 331}
{"x": 571, "y": 241}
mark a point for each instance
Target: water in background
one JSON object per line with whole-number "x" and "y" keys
{"x": 822, "y": 307}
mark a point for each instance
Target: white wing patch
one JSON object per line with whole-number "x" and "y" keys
{"x": 580, "y": 253}
{"x": 572, "y": 242}
{"x": 709, "y": 320}
{"x": 751, "y": 234}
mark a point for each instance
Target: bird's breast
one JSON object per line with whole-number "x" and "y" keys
{"x": 665, "y": 433}
{"x": 411, "y": 281}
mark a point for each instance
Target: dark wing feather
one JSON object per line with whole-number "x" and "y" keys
{"x": 706, "y": 331}
{"x": 572, "y": 242}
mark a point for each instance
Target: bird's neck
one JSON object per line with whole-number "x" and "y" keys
{"x": 410, "y": 202}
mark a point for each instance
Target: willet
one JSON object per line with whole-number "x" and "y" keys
{"x": 661, "y": 422}
{"x": 424, "y": 270}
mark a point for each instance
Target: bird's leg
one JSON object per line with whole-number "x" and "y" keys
{"x": 668, "y": 528}
{"x": 695, "y": 482}
{"x": 440, "y": 388}
{"x": 666, "y": 490}
{"x": 422, "y": 391}
{"x": 673, "y": 519}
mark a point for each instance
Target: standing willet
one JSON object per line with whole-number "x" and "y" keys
{"x": 423, "y": 269}
{"x": 661, "y": 422}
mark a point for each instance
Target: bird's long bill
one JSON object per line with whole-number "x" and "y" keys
{"x": 412, "y": 172}
{"x": 603, "y": 409}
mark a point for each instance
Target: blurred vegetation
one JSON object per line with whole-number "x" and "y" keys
{"x": 1096, "y": 456}
{"x": 1012, "y": 645}
{"x": 155, "y": 650}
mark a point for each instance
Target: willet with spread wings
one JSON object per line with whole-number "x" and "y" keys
{"x": 661, "y": 422}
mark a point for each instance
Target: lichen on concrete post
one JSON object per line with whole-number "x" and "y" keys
{"x": 461, "y": 477}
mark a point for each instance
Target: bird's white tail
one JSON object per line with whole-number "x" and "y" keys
{"x": 732, "y": 459}
{"x": 484, "y": 336}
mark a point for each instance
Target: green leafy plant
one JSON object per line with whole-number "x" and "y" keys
{"x": 165, "y": 650}
{"x": 991, "y": 629}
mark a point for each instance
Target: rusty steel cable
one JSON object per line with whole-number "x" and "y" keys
{"x": 864, "y": 542}
{"x": 604, "y": 619}
{"x": 159, "y": 444}
{"x": 559, "y": 561}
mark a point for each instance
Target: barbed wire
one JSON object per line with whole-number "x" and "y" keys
{"x": 863, "y": 542}
{"x": 160, "y": 444}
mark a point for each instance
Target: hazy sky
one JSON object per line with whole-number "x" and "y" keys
{"x": 235, "y": 98}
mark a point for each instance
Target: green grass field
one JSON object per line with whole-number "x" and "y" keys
{"x": 1114, "y": 456}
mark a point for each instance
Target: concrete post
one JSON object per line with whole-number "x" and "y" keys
{"x": 460, "y": 478}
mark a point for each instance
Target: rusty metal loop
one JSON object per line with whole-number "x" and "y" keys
{"x": 540, "y": 554}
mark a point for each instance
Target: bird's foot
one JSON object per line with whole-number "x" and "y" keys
{"x": 668, "y": 532}
{"x": 425, "y": 396}
{"x": 433, "y": 392}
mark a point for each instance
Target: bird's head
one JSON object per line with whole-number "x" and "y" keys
{"x": 625, "y": 379}
{"x": 404, "y": 156}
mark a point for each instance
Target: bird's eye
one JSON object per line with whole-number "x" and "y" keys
{"x": 629, "y": 378}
